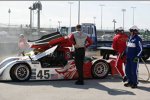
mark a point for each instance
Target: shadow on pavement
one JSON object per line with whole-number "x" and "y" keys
{"x": 89, "y": 84}
{"x": 144, "y": 88}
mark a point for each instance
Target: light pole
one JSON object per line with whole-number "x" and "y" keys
{"x": 79, "y": 12}
{"x": 133, "y": 13}
{"x": 70, "y": 14}
{"x": 50, "y": 23}
{"x": 38, "y": 6}
{"x": 101, "y": 15}
{"x": 123, "y": 10}
{"x": 59, "y": 24}
{"x": 30, "y": 16}
{"x": 9, "y": 11}
{"x": 114, "y": 21}
{"x": 94, "y": 19}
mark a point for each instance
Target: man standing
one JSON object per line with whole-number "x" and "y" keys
{"x": 80, "y": 41}
{"x": 22, "y": 44}
{"x": 133, "y": 53}
{"x": 119, "y": 45}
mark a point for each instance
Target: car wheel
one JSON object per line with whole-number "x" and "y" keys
{"x": 20, "y": 72}
{"x": 100, "y": 69}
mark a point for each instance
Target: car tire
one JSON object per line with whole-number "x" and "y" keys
{"x": 20, "y": 72}
{"x": 100, "y": 69}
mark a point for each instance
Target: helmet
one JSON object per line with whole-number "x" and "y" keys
{"x": 134, "y": 29}
{"x": 119, "y": 29}
{"x": 21, "y": 35}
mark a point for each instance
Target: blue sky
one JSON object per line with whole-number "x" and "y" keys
{"x": 54, "y": 11}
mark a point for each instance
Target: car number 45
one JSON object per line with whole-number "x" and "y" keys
{"x": 43, "y": 74}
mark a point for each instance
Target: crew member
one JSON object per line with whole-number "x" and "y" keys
{"x": 133, "y": 53}
{"x": 80, "y": 41}
{"x": 119, "y": 45}
{"x": 22, "y": 44}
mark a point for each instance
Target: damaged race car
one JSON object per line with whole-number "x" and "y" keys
{"x": 52, "y": 59}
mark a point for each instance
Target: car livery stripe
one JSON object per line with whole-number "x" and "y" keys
{"x": 33, "y": 75}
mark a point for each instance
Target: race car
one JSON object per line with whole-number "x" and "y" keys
{"x": 54, "y": 60}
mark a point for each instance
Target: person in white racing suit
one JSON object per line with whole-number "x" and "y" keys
{"x": 80, "y": 41}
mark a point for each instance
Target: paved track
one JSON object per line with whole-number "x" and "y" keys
{"x": 110, "y": 88}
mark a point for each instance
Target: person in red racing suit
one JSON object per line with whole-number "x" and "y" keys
{"x": 119, "y": 45}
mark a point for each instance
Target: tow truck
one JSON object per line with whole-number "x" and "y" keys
{"x": 103, "y": 40}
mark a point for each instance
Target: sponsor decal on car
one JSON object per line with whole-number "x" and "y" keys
{"x": 33, "y": 75}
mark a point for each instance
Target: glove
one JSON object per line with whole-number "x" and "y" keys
{"x": 136, "y": 59}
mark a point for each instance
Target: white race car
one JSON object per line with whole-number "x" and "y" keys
{"x": 44, "y": 66}
{"x": 54, "y": 60}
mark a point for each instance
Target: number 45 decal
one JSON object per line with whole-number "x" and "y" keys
{"x": 43, "y": 74}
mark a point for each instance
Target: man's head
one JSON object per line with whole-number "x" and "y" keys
{"x": 134, "y": 30}
{"x": 78, "y": 27}
{"x": 119, "y": 30}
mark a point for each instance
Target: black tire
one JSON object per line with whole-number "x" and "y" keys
{"x": 100, "y": 69}
{"x": 20, "y": 72}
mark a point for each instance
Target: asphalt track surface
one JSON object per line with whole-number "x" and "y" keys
{"x": 110, "y": 88}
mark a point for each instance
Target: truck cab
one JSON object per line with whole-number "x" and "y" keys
{"x": 90, "y": 30}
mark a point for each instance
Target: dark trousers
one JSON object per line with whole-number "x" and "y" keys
{"x": 79, "y": 60}
{"x": 131, "y": 70}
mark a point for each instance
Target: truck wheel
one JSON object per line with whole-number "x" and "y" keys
{"x": 20, "y": 72}
{"x": 100, "y": 69}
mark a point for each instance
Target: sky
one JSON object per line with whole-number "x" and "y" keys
{"x": 54, "y": 11}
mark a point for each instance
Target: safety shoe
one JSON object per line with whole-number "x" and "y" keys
{"x": 127, "y": 84}
{"x": 79, "y": 82}
{"x": 124, "y": 79}
{"x": 134, "y": 86}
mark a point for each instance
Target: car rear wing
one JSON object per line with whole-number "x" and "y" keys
{"x": 46, "y": 38}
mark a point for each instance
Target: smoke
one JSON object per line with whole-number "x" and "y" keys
{"x": 9, "y": 37}
{"x": 8, "y": 46}
{"x": 8, "y": 42}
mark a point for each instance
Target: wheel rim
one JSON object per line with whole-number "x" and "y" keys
{"x": 101, "y": 69}
{"x": 22, "y": 72}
